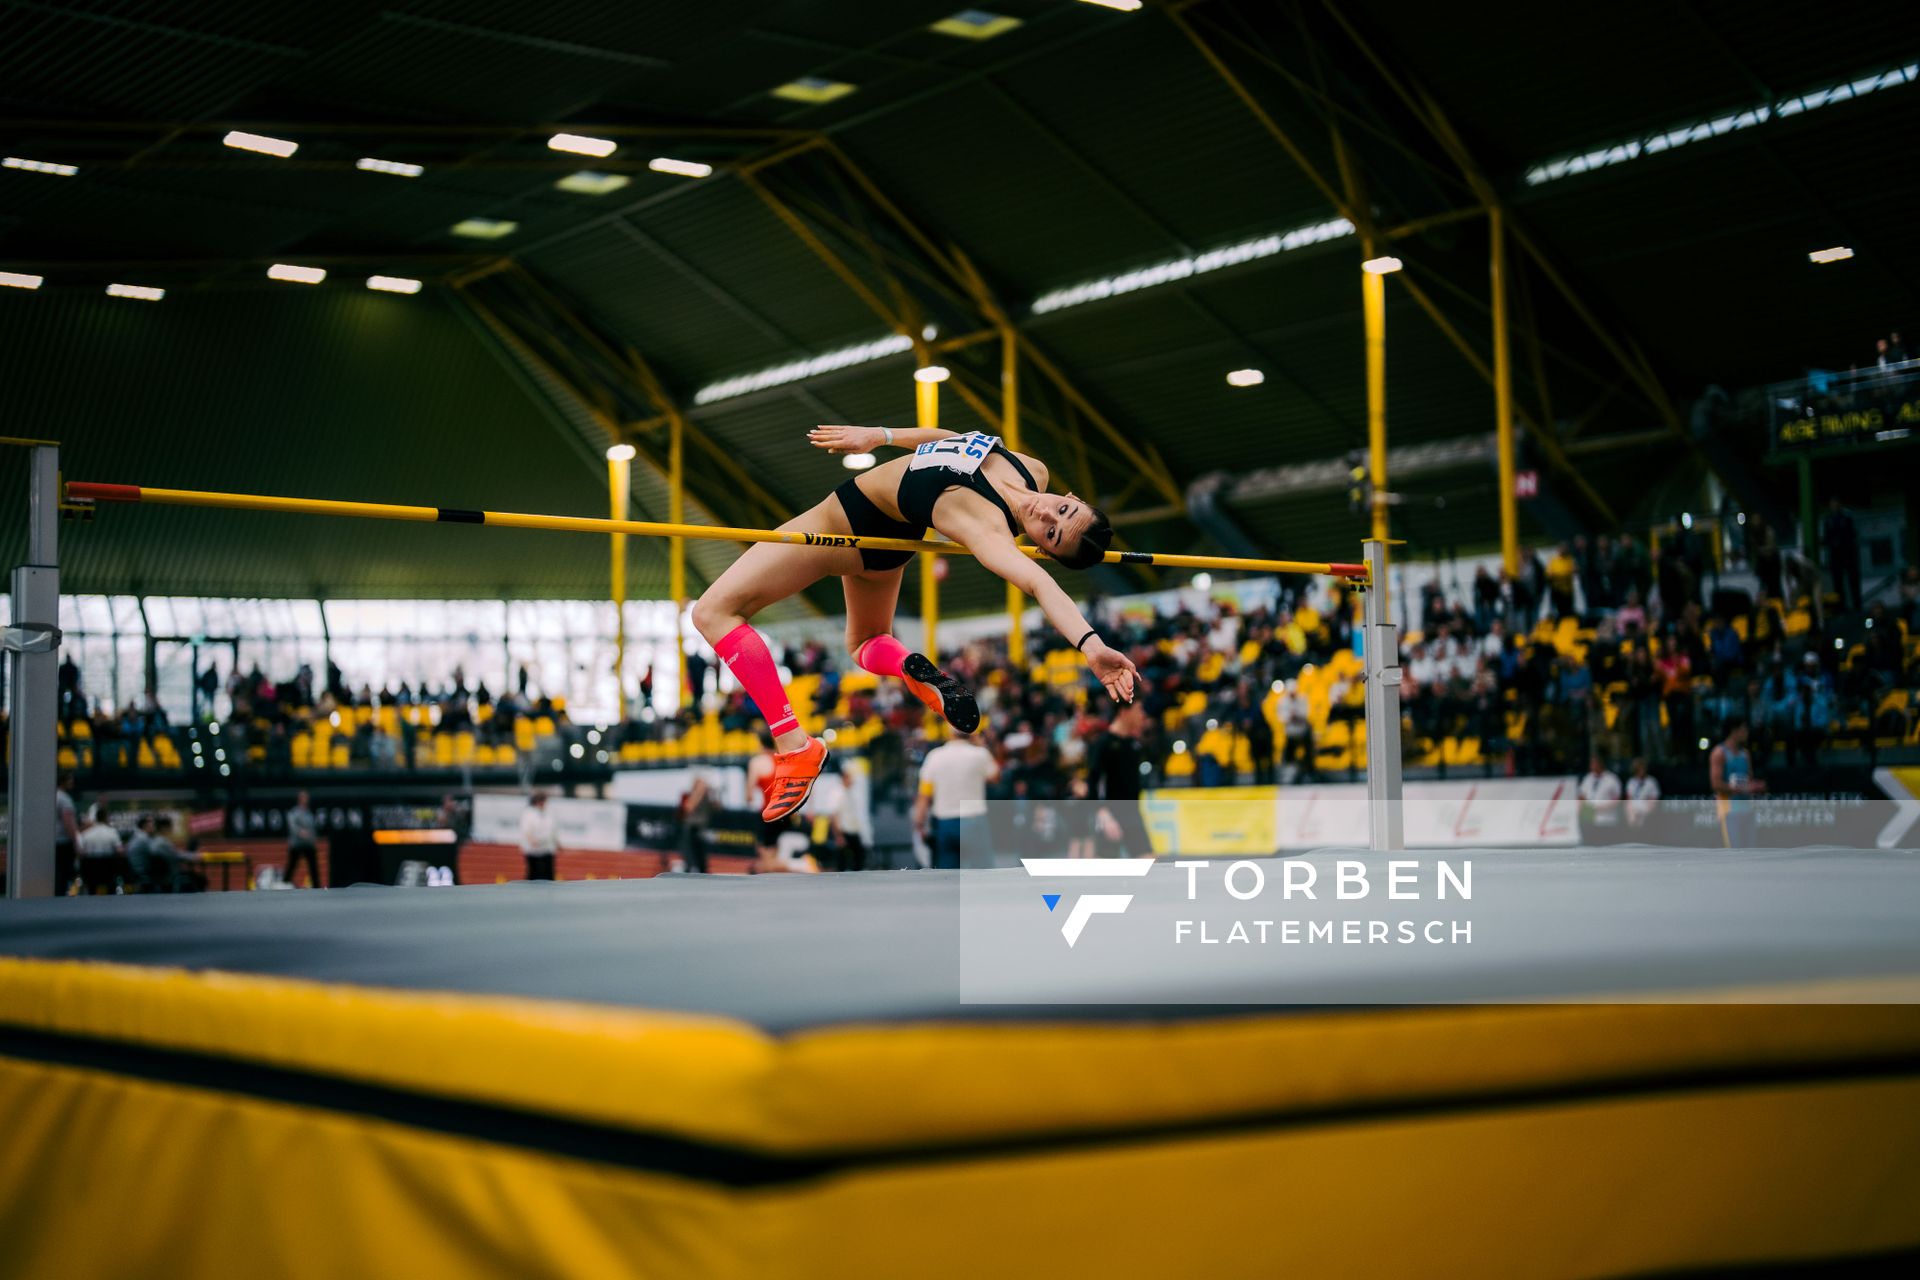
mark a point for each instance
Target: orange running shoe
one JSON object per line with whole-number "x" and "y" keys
{"x": 943, "y": 695}
{"x": 794, "y": 773}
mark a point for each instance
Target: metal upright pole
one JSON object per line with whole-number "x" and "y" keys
{"x": 1374, "y": 299}
{"x": 1385, "y": 815}
{"x": 34, "y": 643}
{"x": 1010, "y": 432}
{"x": 677, "y": 547}
{"x": 926, "y": 404}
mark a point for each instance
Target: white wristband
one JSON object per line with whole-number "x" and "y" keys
{"x": 888, "y": 433}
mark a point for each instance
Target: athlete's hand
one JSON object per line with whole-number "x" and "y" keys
{"x": 847, "y": 439}
{"x": 1115, "y": 670}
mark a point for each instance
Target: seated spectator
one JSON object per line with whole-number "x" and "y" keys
{"x": 157, "y": 866}
{"x": 1808, "y": 712}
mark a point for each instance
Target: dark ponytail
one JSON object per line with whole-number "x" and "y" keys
{"x": 1093, "y": 544}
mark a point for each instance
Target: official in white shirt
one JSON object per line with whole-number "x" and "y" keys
{"x": 1643, "y": 795}
{"x": 953, "y": 788}
{"x": 1600, "y": 798}
{"x": 537, "y": 841}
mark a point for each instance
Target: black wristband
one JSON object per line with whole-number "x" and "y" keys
{"x": 1091, "y": 631}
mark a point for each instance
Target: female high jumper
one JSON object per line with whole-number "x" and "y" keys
{"x": 972, "y": 489}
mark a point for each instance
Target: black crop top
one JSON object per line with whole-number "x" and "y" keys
{"x": 952, "y": 463}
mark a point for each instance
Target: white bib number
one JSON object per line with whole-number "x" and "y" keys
{"x": 962, "y": 454}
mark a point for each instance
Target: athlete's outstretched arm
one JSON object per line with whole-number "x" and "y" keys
{"x": 998, "y": 553}
{"x": 867, "y": 439}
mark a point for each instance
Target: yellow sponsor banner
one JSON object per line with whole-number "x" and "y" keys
{"x": 1213, "y": 820}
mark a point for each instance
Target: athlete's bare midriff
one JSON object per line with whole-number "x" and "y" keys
{"x": 881, "y": 485}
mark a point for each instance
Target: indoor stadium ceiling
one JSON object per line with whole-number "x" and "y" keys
{"x": 1147, "y": 197}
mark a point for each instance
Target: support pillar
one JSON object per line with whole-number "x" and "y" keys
{"x": 1503, "y": 394}
{"x": 33, "y": 646}
{"x": 619, "y": 493}
{"x": 677, "y": 547}
{"x": 1809, "y": 544}
{"x": 1385, "y": 812}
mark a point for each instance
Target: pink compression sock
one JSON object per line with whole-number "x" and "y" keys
{"x": 882, "y": 655}
{"x": 745, "y": 654}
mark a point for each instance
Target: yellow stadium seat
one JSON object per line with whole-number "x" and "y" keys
{"x": 342, "y": 756}
{"x": 66, "y": 758}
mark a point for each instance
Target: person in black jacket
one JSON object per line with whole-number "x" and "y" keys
{"x": 1842, "y": 541}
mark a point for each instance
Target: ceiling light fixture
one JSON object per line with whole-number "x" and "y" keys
{"x": 975, "y": 24}
{"x": 296, "y": 275}
{"x": 1177, "y": 269}
{"x": 1732, "y": 122}
{"x": 260, "y": 142}
{"x": 144, "y": 292}
{"x": 1246, "y": 378}
{"x": 393, "y": 284}
{"x": 581, "y": 145}
{"x": 39, "y": 166}
{"x": 398, "y": 168}
{"x": 813, "y": 90}
{"x": 21, "y": 280}
{"x": 685, "y": 168}
{"x": 589, "y": 182}
{"x": 1838, "y": 253}
{"x": 931, "y": 373}
{"x": 1125, "y": 6}
{"x": 485, "y": 228}
{"x": 1381, "y": 266}
{"x": 780, "y": 375}
{"x": 620, "y": 453}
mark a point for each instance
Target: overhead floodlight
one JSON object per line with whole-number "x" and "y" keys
{"x": 1125, "y": 6}
{"x": 1838, "y": 253}
{"x": 589, "y": 182}
{"x": 1381, "y": 266}
{"x": 398, "y": 168}
{"x": 796, "y": 370}
{"x": 1682, "y": 135}
{"x": 1176, "y": 269}
{"x": 143, "y": 292}
{"x": 240, "y": 140}
{"x": 857, "y": 461}
{"x": 296, "y": 275}
{"x": 393, "y": 284}
{"x": 685, "y": 168}
{"x": 39, "y": 166}
{"x": 485, "y": 228}
{"x": 1246, "y": 378}
{"x": 621, "y": 453}
{"x": 581, "y": 145}
{"x": 931, "y": 373}
{"x": 21, "y": 280}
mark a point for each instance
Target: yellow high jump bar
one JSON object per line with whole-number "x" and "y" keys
{"x": 79, "y": 490}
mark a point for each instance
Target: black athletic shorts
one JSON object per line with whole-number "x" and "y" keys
{"x": 868, "y": 520}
